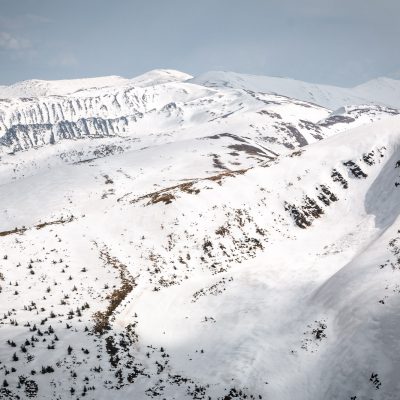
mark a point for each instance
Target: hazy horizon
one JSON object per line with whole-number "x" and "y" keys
{"x": 334, "y": 42}
{"x": 241, "y": 73}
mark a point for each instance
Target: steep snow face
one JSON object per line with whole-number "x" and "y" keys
{"x": 382, "y": 91}
{"x": 171, "y": 111}
{"x": 227, "y": 244}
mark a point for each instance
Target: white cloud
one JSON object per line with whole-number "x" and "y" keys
{"x": 65, "y": 60}
{"x": 10, "y": 42}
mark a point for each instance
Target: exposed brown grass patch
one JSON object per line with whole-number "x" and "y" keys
{"x": 56, "y": 222}
{"x": 13, "y": 231}
{"x": 168, "y": 195}
{"x": 38, "y": 226}
{"x": 102, "y": 318}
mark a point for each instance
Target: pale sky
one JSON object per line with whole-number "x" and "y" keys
{"x": 340, "y": 42}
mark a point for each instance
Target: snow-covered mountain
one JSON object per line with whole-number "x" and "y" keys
{"x": 40, "y": 88}
{"x": 382, "y": 91}
{"x": 218, "y": 237}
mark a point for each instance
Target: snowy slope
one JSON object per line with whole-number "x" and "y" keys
{"x": 379, "y": 91}
{"x": 40, "y": 88}
{"x": 228, "y": 244}
{"x": 159, "y": 76}
{"x": 382, "y": 90}
{"x": 175, "y": 110}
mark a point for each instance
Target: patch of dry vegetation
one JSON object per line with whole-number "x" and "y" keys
{"x": 38, "y": 226}
{"x": 168, "y": 195}
{"x": 102, "y": 318}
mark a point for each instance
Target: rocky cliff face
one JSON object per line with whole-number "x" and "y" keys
{"x": 165, "y": 109}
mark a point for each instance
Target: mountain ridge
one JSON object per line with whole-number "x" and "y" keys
{"x": 197, "y": 239}
{"x": 43, "y": 88}
{"x": 359, "y": 94}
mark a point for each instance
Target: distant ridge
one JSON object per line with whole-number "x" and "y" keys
{"x": 42, "y": 88}
{"x": 383, "y": 91}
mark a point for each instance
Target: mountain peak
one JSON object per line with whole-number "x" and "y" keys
{"x": 160, "y": 76}
{"x": 41, "y": 88}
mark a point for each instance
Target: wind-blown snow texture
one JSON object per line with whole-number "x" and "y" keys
{"x": 218, "y": 237}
